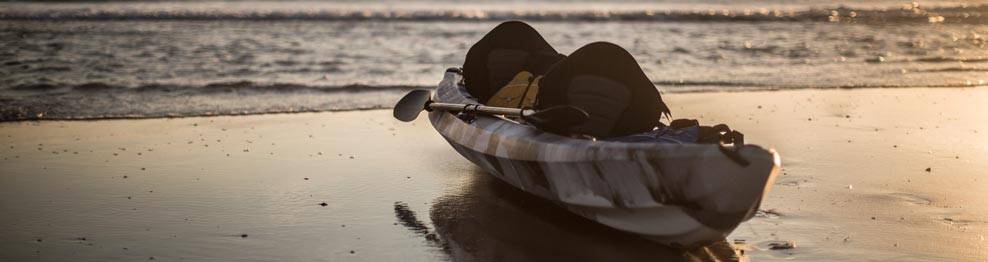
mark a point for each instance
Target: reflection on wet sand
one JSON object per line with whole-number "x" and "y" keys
{"x": 489, "y": 220}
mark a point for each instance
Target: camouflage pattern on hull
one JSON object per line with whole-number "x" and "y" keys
{"x": 678, "y": 195}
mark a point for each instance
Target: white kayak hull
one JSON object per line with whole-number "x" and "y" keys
{"x": 676, "y": 194}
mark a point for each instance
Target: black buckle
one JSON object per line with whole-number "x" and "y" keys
{"x": 733, "y": 154}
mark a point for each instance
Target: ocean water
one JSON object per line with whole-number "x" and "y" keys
{"x": 176, "y": 58}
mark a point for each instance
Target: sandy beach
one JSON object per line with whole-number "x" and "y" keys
{"x": 868, "y": 174}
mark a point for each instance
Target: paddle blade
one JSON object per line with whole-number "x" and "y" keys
{"x": 408, "y": 108}
{"x": 558, "y": 118}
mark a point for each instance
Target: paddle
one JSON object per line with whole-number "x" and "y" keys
{"x": 408, "y": 108}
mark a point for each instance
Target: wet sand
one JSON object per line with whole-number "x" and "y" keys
{"x": 869, "y": 174}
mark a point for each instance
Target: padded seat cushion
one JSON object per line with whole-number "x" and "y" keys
{"x": 504, "y": 64}
{"x": 509, "y": 48}
{"x": 606, "y": 81}
{"x": 605, "y": 98}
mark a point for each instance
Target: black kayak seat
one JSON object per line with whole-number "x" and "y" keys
{"x": 504, "y": 64}
{"x": 506, "y": 50}
{"x": 607, "y": 99}
{"x": 605, "y": 80}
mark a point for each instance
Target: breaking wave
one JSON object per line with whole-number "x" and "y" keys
{"x": 907, "y": 13}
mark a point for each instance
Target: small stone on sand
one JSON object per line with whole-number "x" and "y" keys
{"x": 243, "y": 235}
{"x": 789, "y": 244}
{"x": 929, "y": 169}
{"x": 323, "y": 204}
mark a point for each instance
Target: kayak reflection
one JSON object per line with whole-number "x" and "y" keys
{"x": 488, "y": 220}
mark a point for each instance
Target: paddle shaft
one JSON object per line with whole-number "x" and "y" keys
{"x": 480, "y": 109}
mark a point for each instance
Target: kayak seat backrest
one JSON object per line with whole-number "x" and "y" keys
{"x": 506, "y": 50}
{"x": 607, "y": 99}
{"x": 604, "y": 80}
{"x": 504, "y": 64}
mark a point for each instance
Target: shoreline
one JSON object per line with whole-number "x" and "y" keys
{"x": 316, "y": 111}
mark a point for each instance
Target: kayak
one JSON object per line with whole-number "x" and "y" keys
{"x": 680, "y": 195}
